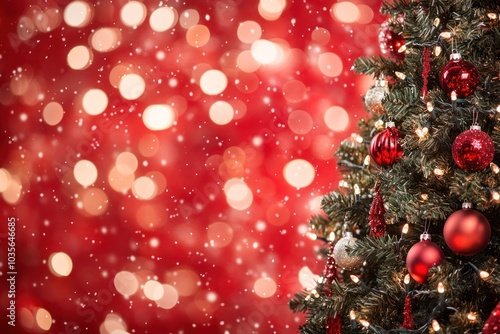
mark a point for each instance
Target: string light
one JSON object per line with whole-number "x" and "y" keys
{"x": 492, "y": 16}
{"x": 472, "y": 316}
{"x": 364, "y": 323}
{"x": 356, "y": 280}
{"x": 379, "y": 124}
{"x": 357, "y": 192}
{"x": 343, "y": 184}
{"x": 438, "y": 171}
{"x": 311, "y": 235}
{"x": 407, "y": 283}
{"x": 435, "y": 326}
{"x": 446, "y": 34}
{"x": 438, "y": 50}
{"x": 367, "y": 160}
{"x": 440, "y": 288}
{"x": 494, "y": 168}
{"x": 400, "y": 75}
{"x": 421, "y": 133}
{"x": 495, "y": 195}
{"x": 331, "y": 237}
{"x": 402, "y": 49}
{"x": 357, "y": 138}
{"x": 430, "y": 106}
{"x": 498, "y": 108}
{"x": 406, "y": 227}
{"x": 453, "y": 96}
{"x": 482, "y": 274}
{"x": 352, "y": 316}
{"x": 436, "y": 22}
{"x": 425, "y": 197}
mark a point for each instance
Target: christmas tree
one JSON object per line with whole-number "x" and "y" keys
{"x": 415, "y": 223}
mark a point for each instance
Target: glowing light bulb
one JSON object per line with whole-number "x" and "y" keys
{"x": 492, "y": 16}
{"x": 453, "y": 96}
{"x": 494, "y": 168}
{"x": 406, "y": 227}
{"x": 311, "y": 235}
{"x": 440, "y": 287}
{"x": 407, "y": 279}
{"x": 331, "y": 236}
{"x": 400, "y": 75}
{"x": 446, "y": 34}
{"x": 438, "y": 171}
{"x": 472, "y": 316}
{"x": 438, "y": 50}
{"x": 430, "y": 106}
{"x": 352, "y": 315}
{"x": 483, "y": 274}
{"x": 355, "y": 279}
{"x": 435, "y": 325}
{"x": 365, "y": 323}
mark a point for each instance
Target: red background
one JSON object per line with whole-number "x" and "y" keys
{"x": 268, "y": 237}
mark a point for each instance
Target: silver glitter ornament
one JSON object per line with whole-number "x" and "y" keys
{"x": 375, "y": 96}
{"x": 340, "y": 255}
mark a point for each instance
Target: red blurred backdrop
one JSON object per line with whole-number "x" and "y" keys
{"x": 191, "y": 220}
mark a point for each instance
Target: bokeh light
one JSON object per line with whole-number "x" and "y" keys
{"x": 105, "y": 39}
{"x": 144, "y": 188}
{"x": 78, "y": 14}
{"x": 94, "y": 101}
{"x": 300, "y": 122}
{"x": 198, "y": 35}
{"x": 299, "y": 173}
{"x": 53, "y": 113}
{"x": 158, "y": 117}
{"x": 132, "y": 86}
{"x": 345, "y": 11}
{"x": 238, "y": 195}
{"x": 153, "y": 290}
{"x": 330, "y": 64}
{"x": 249, "y": 32}
{"x": 43, "y": 319}
{"x": 213, "y": 82}
{"x": 162, "y": 19}
{"x": 169, "y": 298}
{"x": 85, "y": 172}
{"x": 221, "y": 112}
{"x": 126, "y": 283}
{"x": 219, "y": 234}
{"x": 264, "y": 51}
{"x": 60, "y": 264}
{"x": 133, "y": 13}
{"x": 265, "y": 287}
{"x": 79, "y": 57}
{"x": 336, "y": 118}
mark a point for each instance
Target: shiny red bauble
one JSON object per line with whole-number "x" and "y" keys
{"x": 423, "y": 256}
{"x": 385, "y": 149}
{"x": 467, "y": 231}
{"x": 390, "y": 42}
{"x": 492, "y": 324}
{"x": 473, "y": 149}
{"x": 459, "y": 77}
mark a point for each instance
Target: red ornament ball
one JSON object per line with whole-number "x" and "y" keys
{"x": 390, "y": 42}
{"x": 473, "y": 149}
{"x": 421, "y": 257}
{"x": 459, "y": 76}
{"x": 467, "y": 231}
{"x": 492, "y": 324}
{"x": 385, "y": 149}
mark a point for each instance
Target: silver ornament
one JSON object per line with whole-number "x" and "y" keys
{"x": 375, "y": 96}
{"x": 340, "y": 255}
